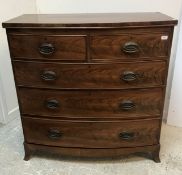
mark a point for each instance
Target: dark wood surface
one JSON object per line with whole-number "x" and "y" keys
{"x": 65, "y": 47}
{"x": 91, "y": 85}
{"x": 152, "y": 44}
{"x": 111, "y": 46}
{"x": 163, "y": 30}
{"x": 90, "y": 154}
{"x": 91, "y": 20}
{"x": 92, "y": 104}
{"x": 91, "y": 134}
{"x": 90, "y": 76}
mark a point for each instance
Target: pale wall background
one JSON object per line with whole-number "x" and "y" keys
{"x": 170, "y": 7}
{"x": 8, "y": 99}
{"x": 13, "y": 8}
{"x": 175, "y": 107}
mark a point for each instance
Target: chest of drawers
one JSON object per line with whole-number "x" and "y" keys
{"x": 91, "y": 85}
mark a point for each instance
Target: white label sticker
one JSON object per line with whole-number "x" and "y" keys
{"x": 164, "y": 37}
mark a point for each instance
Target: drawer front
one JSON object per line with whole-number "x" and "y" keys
{"x": 130, "y": 46}
{"x": 91, "y": 104}
{"x": 103, "y": 76}
{"x": 91, "y": 134}
{"x": 47, "y": 47}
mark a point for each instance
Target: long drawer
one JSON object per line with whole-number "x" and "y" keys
{"x": 91, "y": 134}
{"x": 48, "y": 47}
{"x": 92, "y": 104}
{"x": 129, "y": 47}
{"x": 121, "y": 76}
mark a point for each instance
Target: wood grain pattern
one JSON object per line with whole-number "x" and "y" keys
{"x": 67, "y": 47}
{"x": 91, "y": 85}
{"x": 91, "y": 134}
{"x": 92, "y": 32}
{"x": 91, "y": 104}
{"x": 92, "y": 153}
{"x": 111, "y": 47}
{"x": 93, "y": 20}
{"x": 95, "y": 76}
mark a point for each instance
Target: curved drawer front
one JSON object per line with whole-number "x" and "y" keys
{"x": 47, "y": 47}
{"x": 91, "y": 104}
{"x": 121, "y": 76}
{"x": 91, "y": 134}
{"x": 130, "y": 46}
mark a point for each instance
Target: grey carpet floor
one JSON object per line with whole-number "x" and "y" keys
{"x": 12, "y": 153}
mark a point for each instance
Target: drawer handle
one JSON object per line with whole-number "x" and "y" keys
{"x": 127, "y": 105}
{"x": 54, "y": 134}
{"x": 126, "y": 135}
{"x": 52, "y": 104}
{"x": 48, "y": 76}
{"x": 131, "y": 47}
{"x": 129, "y": 76}
{"x": 46, "y": 49}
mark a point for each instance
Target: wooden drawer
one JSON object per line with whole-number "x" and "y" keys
{"x": 47, "y": 47}
{"x": 101, "y": 76}
{"x": 130, "y": 46}
{"x": 91, "y": 134}
{"x": 91, "y": 104}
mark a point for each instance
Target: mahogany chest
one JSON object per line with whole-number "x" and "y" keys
{"x": 91, "y": 85}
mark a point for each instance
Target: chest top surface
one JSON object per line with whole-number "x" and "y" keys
{"x": 94, "y": 20}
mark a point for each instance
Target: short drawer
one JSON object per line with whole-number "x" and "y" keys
{"x": 91, "y": 134}
{"x": 47, "y": 47}
{"x": 91, "y": 104}
{"x": 85, "y": 76}
{"x": 130, "y": 46}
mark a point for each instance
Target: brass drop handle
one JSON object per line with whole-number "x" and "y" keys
{"x": 54, "y": 134}
{"x": 48, "y": 75}
{"x": 126, "y": 135}
{"x": 52, "y": 104}
{"x": 130, "y": 47}
{"x": 127, "y": 105}
{"x": 46, "y": 49}
{"x": 129, "y": 76}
